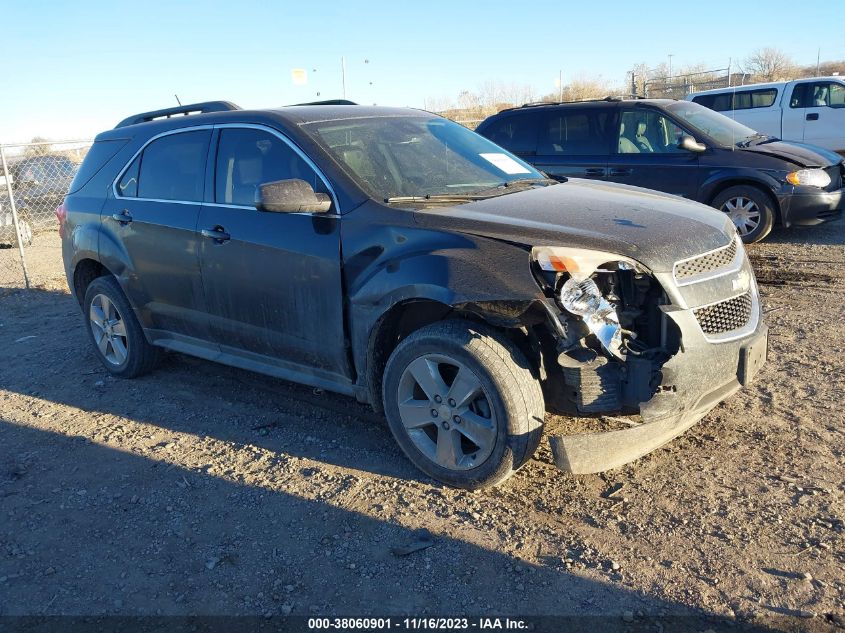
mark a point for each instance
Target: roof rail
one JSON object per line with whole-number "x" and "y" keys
{"x": 536, "y": 104}
{"x": 328, "y": 102}
{"x": 166, "y": 113}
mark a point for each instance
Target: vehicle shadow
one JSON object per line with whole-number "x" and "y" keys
{"x": 132, "y": 508}
{"x": 92, "y": 530}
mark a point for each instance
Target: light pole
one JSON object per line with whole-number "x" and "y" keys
{"x": 670, "y": 66}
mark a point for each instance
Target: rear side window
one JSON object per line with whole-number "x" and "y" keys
{"x": 247, "y": 158}
{"x": 739, "y": 100}
{"x": 748, "y": 99}
{"x": 574, "y": 133}
{"x": 170, "y": 168}
{"x": 514, "y": 133}
{"x": 100, "y": 153}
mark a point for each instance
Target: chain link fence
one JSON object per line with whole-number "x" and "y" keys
{"x": 34, "y": 178}
{"x": 679, "y": 86}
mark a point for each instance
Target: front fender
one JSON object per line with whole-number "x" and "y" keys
{"x": 719, "y": 179}
{"x": 388, "y": 260}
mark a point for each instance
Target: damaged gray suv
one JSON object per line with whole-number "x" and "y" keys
{"x": 397, "y": 257}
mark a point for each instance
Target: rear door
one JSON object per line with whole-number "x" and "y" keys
{"x": 152, "y": 217}
{"x": 272, "y": 280}
{"x": 574, "y": 142}
{"x": 646, "y": 154}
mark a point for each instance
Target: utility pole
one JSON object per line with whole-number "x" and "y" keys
{"x": 670, "y": 66}
{"x": 560, "y": 86}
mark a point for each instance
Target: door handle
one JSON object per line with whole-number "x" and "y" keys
{"x": 594, "y": 171}
{"x": 621, "y": 172}
{"x": 123, "y": 218}
{"x": 813, "y": 116}
{"x": 218, "y": 234}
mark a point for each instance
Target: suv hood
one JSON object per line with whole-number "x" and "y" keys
{"x": 653, "y": 228}
{"x": 798, "y": 153}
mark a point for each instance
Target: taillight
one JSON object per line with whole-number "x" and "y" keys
{"x": 61, "y": 214}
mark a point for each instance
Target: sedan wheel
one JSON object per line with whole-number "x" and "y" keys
{"x": 109, "y": 330}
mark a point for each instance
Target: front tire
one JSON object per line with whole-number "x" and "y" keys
{"x": 463, "y": 403}
{"x": 750, "y": 209}
{"x": 114, "y": 331}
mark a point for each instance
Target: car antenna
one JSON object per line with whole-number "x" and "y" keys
{"x": 177, "y": 99}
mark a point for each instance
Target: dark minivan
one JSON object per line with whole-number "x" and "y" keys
{"x": 680, "y": 148}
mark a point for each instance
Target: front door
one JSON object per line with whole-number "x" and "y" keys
{"x": 647, "y": 154}
{"x": 820, "y": 108}
{"x": 152, "y": 219}
{"x": 272, "y": 280}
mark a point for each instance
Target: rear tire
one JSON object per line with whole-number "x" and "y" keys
{"x": 115, "y": 333}
{"x": 493, "y": 424}
{"x": 750, "y": 209}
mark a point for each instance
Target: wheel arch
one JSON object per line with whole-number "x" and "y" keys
{"x": 85, "y": 271}
{"x": 514, "y": 318}
{"x": 719, "y": 186}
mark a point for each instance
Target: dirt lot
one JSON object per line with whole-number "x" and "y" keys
{"x": 209, "y": 490}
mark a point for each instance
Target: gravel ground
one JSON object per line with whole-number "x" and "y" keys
{"x": 201, "y": 489}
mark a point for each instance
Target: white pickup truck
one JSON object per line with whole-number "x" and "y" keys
{"x": 807, "y": 110}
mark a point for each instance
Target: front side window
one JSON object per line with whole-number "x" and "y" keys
{"x": 396, "y": 156}
{"x": 248, "y": 158}
{"x": 822, "y": 94}
{"x": 648, "y": 132}
{"x": 723, "y": 130}
{"x": 171, "y": 168}
{"x": 574, "y": 133}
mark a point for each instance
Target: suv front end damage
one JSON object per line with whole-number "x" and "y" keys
{"x": 659, "y": 347}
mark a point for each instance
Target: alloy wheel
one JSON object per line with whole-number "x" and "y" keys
{"x": 446, "y": 412}
{"x": 108, "y": 329}
{"x": 743, "y": 212}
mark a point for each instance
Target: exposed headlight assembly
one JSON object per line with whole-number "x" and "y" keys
{"x": 580, "y": 295}
{"x": 808, "y": 178}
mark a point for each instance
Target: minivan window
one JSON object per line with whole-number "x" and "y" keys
{"x": 720, "y": 128}
{"x": 515, "y": 133}
{"x": 648, "y": 132}
{"x": 173, "y": 167}
{"x": 247, "y": 158}
{"x": 574, "y": 133}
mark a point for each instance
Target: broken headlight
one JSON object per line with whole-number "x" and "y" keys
{"x": 581, "y": 296}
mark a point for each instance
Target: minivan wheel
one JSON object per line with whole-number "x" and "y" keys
{"x": 749, "y": 209}
{"x": 114, "y": 331}
{"x": 463, "y": 404}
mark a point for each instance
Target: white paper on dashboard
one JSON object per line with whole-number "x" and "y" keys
{"x": 505, "y": 163}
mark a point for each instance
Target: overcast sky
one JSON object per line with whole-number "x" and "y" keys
{"x": 73, "y": 68}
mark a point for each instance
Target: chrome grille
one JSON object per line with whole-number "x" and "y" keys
{"x": 706, "y": 263}
{"x": 725, "y": 316}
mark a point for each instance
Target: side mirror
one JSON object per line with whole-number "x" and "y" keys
{"x": 691, "y": 145}
{"x": 291, "y": 196}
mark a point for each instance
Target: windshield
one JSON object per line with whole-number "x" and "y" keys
{"x": 395, "y": 157}
{"x": 720, "y": 128}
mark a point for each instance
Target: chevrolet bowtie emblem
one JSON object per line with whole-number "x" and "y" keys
{"x": 742, "y": 281}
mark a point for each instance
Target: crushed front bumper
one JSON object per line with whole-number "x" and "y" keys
{"x": 699, "y": 376}
{"x": 709, "y": 376}
{"x": 807, "y": 208}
